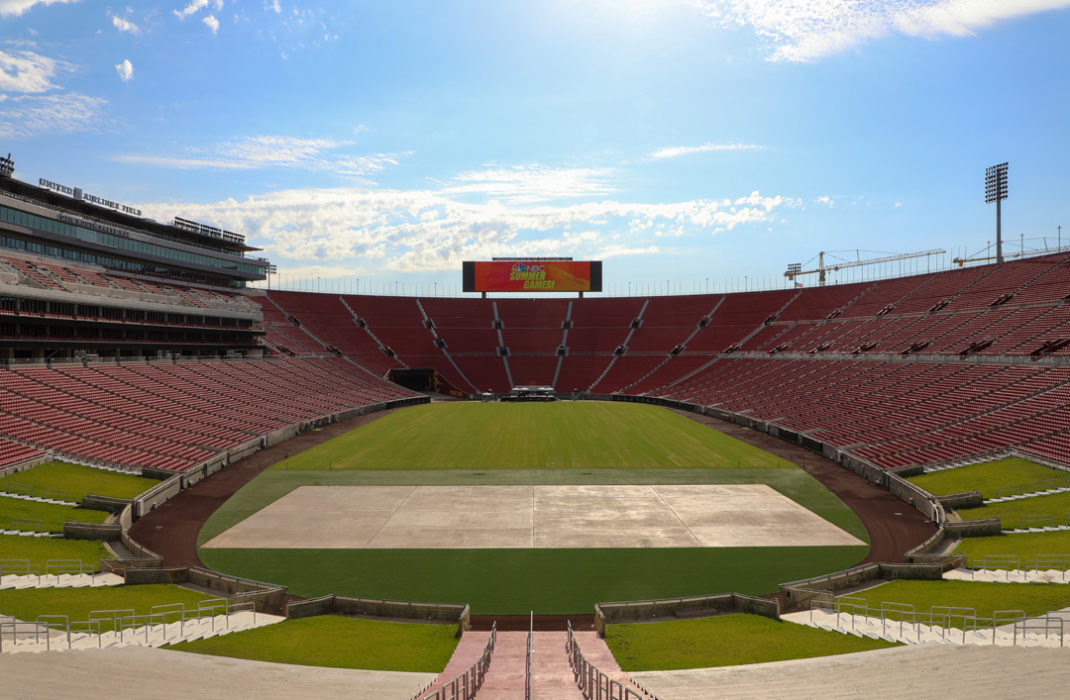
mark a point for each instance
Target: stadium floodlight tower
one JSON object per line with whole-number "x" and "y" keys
{"x": 996, "y": 191}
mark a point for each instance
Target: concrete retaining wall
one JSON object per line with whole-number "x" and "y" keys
{"x": 677, "y": 608}
{"x": 445, "y": 613}
{"x": 798, "y": 594}
{"x": 966, "y": 499}
{"x": 974, "y": 528}
{"x": 26, "y": 464}
{"x": 106, "y": 503}
{"x": 92, "y": 531}
{"x": 266, "y": 596}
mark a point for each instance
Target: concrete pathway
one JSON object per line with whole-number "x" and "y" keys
{"x": 160, "y": 673}
{"x": 505, "y": 677}
{"x": 929, "y": 670}
{"x": 1007, "y": 575}
{"x": 550, "y": 669}
{"x": 468, "y": 651}
{"x": 60, "y": 580}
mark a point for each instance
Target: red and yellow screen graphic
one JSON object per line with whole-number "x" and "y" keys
{"x": 532, "y": 276}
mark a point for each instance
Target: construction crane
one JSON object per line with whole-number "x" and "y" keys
{"x": 795, "y": 269}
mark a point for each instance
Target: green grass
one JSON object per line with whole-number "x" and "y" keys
{"x": 514, "y": 581}
{"x": 27, "y": 603}
{"x": 52, "y": 516}
{"x": 39, "y": 550}
{"x": 338, "y": 642}
{"x": 986, "y": 477}
{"x": 78, "y": 481}
{"x": 559, "y": 435}
{"x": 1010, "y": 513}
{"x": 498, "y": 444}
{"x": 1025, "y": 545}
{"x": 726, "y": 640}
{"x": 984, "y": 597}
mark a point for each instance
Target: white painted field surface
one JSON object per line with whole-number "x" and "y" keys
{"x": 463, "y": 517}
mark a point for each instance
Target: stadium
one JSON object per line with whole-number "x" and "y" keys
{"x": 557, "y": 487}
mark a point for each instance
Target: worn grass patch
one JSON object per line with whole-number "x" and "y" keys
{"x": 558, "y": 435}
{"x": 726, "y": 640}
{"x": 50, "y": 516}
{"x": 75, "y": 480}
{"x": 1024, "y": 545}
{"x": 984, "y": 597}
{"x": 38, "y": 550}
{"x": 27, "y": 603}
{"x": 1010, "y": 513}
{"x": 546, "y": 581}
{"x": 987, "y": 477}
{"x": 338, "y": 642}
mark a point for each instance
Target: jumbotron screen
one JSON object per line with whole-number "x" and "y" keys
{"x": 532, "y": 276}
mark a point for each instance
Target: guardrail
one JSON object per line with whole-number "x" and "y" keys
{"x": 124, "y": 623}
{"x": 1062, "y": 482}
{"x": 593, "y": 683}
{"x": 529, "y": 680}
{"x": 52, "y": 567}
{"x": 904, "y": 622}
{"x": 467, "y": 683}
{"x": 34, "y": 491}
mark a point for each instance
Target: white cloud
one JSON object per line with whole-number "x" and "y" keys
{"x": 124, "y": 25}
{"x": 30, "y": 115}
{"x": 532, "y": 183}
{"x": 192, "y": 8}
{"x": 26, "y": 71}
{"x": 258, "y": 152}
{"x": 125, "y": 70}
{"x": 806, "y": 30}
{"x": 274, "y": 6}
{"x": 827, "y": 201}
{"x": 212, "y": 23}
{"x": 674, "y": 151}
{"x": 15, "y": 8}
{"x": 424, "y": 230}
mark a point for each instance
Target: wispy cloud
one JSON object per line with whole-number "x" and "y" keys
{"x": 30, "y": 115}
{"x": 125, "y": 70}
{"x": 15, "y": 8}
{"x": 26, "y": 71}
{"x": 124, "y": 25}
{"x": 532, "y": 183}
{"x": 212, "y": 23}
{"x": 807, "y": 30}
{"x": 263, "y": 152}
{"x": 674, "y": 151}
{"x": 192, "y": 8}
{"x": 426, "y": 230}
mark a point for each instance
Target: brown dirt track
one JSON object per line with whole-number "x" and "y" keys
{"x": 171, "y": 530}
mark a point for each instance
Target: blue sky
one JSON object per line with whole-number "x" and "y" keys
{"x": 686, "y": 143}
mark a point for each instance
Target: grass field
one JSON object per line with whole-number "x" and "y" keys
{"x": 985, "y": 598}
{"x": 50, "y": 515}
{"x": 559, "y": 435}
{"x": 1010, "y": 513}
{"x": 585, "y": 443}
{"x": 1025, "y": 545}
{"x": 726, "y": 640}
{"x": 39, "y": 550}
{"x": 986, "y": 477}
{"x": 515, "y": 581}
{"x": 338, "y": 642}
{"x": 27, "y": 603}
{"x": 77, "y": 481}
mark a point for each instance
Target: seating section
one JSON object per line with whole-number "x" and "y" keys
{"x": 13, "y": 452}
{"x": 64, "y": 278}
{"x": 920, "y": 369}
{"x": 172, "y": 416}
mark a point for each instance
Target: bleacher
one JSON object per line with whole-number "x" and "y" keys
{"x": 172, "y": 416}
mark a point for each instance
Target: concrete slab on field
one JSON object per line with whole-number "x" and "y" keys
{"x": 546, "y": 517}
